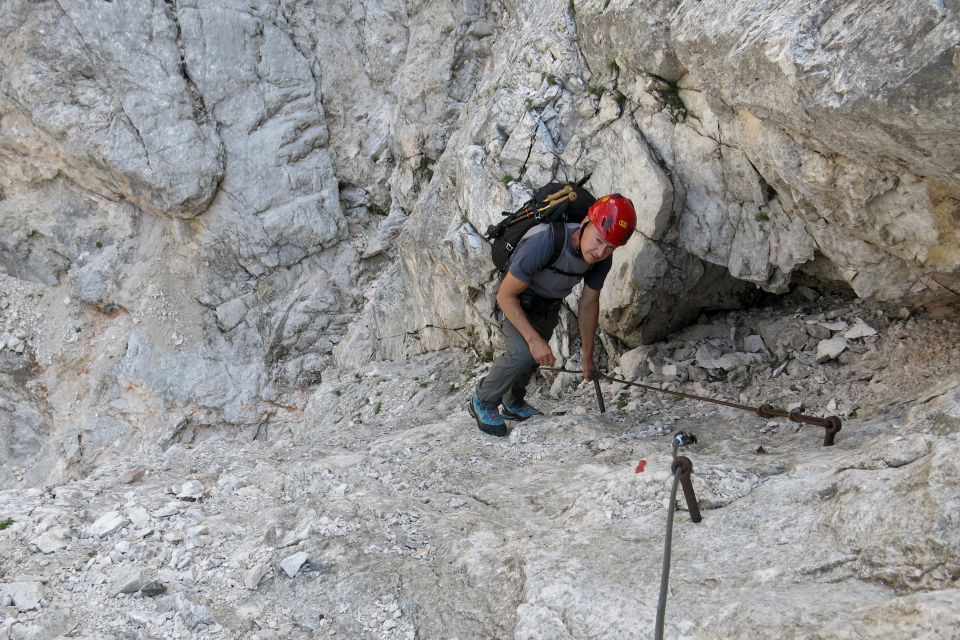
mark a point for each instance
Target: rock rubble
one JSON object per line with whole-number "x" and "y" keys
{"x": 387, "y": 514}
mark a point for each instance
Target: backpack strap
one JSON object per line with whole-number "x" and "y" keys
{"x": 559, "y": 230}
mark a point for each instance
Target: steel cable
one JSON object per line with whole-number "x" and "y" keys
{"x": 665, "y": 570}
{"x": 831, "y": 424}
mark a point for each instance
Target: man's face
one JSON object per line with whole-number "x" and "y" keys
{"x": 593, "y": 247}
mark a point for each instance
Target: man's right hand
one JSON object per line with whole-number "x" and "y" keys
{"x": 507, "y": 298}
{"x": 541, "y": 352}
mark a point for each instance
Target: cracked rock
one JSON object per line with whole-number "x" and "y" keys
{"x": 26, "y": 596}
{"x": 108, "y": 523}
{"x": 830, "y": 349}
{"x": 291, "y": 565}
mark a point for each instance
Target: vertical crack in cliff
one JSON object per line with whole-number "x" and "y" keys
{"x": 136, "y": 132}
{"x": 570, "y": 19}
{"x": 308, "y": 55}
{"x": 77, "y": 30}
{"x": 123, "y": 110}
{"x": 674, "y": 178}
{"x": 200, "y": 113}
{"x": 466, "y": 65}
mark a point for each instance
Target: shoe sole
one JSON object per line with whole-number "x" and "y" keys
{"x": 491, "y": 429}
{"x": 510, "y": 415}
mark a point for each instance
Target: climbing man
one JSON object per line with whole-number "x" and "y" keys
{"x": 529, "y": 299}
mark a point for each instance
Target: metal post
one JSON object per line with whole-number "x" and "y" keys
{"x": 685, "y": 468}
{"x": 596, "y": 387}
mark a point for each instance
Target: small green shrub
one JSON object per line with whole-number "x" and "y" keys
{"x": 623, "y": 400}
{"x": 672, "y": 102}
{"x": 5, "y": 523}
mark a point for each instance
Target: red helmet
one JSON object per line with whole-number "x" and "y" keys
{"x": 614, "y": 217}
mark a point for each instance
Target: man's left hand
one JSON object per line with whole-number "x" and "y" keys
{"x": 589, "y": 370}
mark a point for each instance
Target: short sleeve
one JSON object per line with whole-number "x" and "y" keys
{"x": 531, "y": 255}
{"x": 597, "y": 275}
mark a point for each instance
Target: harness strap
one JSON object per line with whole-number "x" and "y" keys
{"x": 538, "y": 305}
{"x": 559, "y": 230}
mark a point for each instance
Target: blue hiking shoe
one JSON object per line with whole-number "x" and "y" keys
{"x": 520, "y": 411}
{"x": 488, "y": 418}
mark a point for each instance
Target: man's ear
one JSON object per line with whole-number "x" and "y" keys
{"x": 583, "y": 228}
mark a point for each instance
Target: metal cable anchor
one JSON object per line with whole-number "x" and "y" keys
{"x": 684, "y": 466}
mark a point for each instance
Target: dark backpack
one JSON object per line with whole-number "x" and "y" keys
{"x": 556, "y": 203}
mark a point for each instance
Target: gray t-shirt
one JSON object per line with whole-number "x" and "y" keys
{"x": 531, "y": 263}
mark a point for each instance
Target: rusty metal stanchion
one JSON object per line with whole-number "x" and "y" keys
{"x": 684, "y": 467}
{"x": 596, "y": 387}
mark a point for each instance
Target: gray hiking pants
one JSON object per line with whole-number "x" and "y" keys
{"x": 510, "y": 373}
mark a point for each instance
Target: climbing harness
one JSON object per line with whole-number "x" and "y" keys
{"x": 682, "y": 468}
{"x": 830, "y": 424}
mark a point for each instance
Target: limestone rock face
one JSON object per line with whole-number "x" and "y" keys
{"x": 102, "y": 94}
{"x": 757, "y": 144}
{"x": 24, "y": 430}
{"x": 853, "y": 78}
{"x": 611, "y": 36}
{"x": 849, "y": 116}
